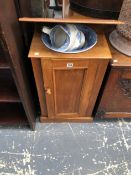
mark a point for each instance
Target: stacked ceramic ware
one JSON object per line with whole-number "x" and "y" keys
{"x": 69, "y": 38}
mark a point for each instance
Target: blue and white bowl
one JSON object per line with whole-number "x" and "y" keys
{"x": 90, "y": 40}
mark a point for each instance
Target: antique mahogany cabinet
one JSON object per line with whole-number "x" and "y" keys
{"x": 71, "y": 86}
{"x": 115, "y": 100}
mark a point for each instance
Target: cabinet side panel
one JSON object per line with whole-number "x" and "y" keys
{"x": 102, "y": 67}
{"x": 36, "y": 64}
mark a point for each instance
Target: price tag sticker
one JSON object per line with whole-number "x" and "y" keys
{"x": 69, "y": 65}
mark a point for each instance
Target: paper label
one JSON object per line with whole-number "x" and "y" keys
{"x": 69, "y": 65}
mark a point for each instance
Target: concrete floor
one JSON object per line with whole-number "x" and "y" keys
{"x": 99, "y": 148}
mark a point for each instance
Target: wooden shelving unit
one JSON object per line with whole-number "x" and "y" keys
{"x": 8, "y": 91}
{"x": 12, "y": 114}
{"x": 11, "y": 108}
{"x": 3, "y": 64}
{"x": 16, "y": 95}
{"x": 69, "y": 16}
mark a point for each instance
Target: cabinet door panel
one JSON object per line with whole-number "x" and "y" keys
{"x": 69, "y": 85}
{"x": 67, "y": 89}
{"x": 116, "y": 98}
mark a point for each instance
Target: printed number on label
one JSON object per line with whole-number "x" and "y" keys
{"x": 69, "y": 65}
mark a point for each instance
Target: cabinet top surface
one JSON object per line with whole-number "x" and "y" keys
{"x": 120, "y": 59}
{"x": 99, "y": 51}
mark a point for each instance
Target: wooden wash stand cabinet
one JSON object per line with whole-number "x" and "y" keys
{"x": 69, "y": 82}
{"x": 69, "y": 85}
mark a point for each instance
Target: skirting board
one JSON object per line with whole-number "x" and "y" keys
{"x": 75, "y": 120}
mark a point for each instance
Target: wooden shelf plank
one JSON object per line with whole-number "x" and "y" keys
{"x": 12, "y": 114}
{"x": 73, "y": 19}
{"x": 8, "y": 94}
{"x": 3, "y": 61}
{"x": 3, "y": 64}
{"x": 8, "y": 91}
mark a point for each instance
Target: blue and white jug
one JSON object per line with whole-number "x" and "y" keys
{"x": 66, "y": 37}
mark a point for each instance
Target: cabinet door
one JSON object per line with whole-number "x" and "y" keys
{"x": 116, "y": 97}
{"x": 72, "y": 86}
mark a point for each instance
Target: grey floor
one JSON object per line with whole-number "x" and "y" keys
{"x": 99, "y": 148}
